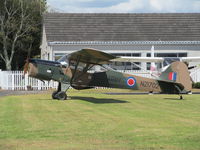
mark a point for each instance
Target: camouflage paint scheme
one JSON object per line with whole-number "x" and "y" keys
{"x": 116, "y": 79}
{"x": 174, "y": 80}
{"x": 47, "y": 70}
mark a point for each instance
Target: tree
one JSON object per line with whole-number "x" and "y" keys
{"x": 20, "y": 21}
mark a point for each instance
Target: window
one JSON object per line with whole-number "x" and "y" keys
{"x": 182, "y": 54}
{"x": 58, "y": 56}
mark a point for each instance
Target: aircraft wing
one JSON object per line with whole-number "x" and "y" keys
{"x": 138, "y": 59}
{"x": 98, "y": 57}
{"x": 190, "y": 59}
{"x": 91, "y": 56}
{"x": 152, "y": 59}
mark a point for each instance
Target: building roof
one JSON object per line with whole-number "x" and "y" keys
{"x": 122, "y": 27}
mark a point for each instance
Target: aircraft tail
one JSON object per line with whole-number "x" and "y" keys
{"x": 178, "y": 72}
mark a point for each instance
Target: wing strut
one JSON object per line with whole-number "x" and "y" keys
{"x": 139, "y": 67}
{"x": 75, "y": 69}
{"x": 74, "y": 77}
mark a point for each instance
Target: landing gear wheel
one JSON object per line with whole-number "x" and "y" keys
{"x": 54, "y": 96}
{"x": 181, "y": 97}
{"x": 61, "y": 95}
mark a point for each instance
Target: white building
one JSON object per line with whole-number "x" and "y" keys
{"x": 173, "y": 35}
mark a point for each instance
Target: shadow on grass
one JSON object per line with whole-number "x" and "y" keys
{"x": 97, "y": 100}
{"x": 174, "y": 99}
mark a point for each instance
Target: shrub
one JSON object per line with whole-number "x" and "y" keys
{"x": 196, "y": 85}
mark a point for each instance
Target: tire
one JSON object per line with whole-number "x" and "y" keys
{"x": 54, "y": 95}
{"x": 61, "y": 95}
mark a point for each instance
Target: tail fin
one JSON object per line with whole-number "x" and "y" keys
{"x": 178, "y": 72}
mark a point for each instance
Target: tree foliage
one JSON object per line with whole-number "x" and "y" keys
{"x": 20, "y": 30}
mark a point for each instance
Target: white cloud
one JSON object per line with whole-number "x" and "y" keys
{"x": 196, "y": 6}
{"x": 123, "y": 7}
{"x": 159, "y": 5}
{"x": 127, "y": 6}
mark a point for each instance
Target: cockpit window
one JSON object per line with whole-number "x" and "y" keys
{"x": 87, "y": 67}
{"x": 63, "y": 60}
{"x": 100, "y": 68}
{"x": 106, "y": 67}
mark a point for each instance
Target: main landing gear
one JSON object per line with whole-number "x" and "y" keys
{"x": 60, "y": 94}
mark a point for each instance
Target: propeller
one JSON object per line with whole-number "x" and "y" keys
{"x": 26, "y": 65}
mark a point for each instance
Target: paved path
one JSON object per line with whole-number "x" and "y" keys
{"x": 8, "y": 93}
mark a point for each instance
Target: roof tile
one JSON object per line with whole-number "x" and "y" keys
{"x": 122, "y": 27}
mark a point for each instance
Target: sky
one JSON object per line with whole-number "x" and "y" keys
{"x": 125, "y": 6}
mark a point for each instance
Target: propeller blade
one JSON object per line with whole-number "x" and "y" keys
{"x": 26, "y": 65}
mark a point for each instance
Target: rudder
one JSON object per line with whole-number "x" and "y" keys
{"x": 178, "y": 72}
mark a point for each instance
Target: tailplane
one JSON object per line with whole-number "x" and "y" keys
{"x": 178, "y": 72}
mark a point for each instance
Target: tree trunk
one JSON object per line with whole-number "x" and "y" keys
{"x": 8, "y": 66}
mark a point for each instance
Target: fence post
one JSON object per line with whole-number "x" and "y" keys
{"x": 39, "y": 85}
{"x": 26, "y": 81}
{"x": 13, "y": 80}
{"x": 7, "y": 80}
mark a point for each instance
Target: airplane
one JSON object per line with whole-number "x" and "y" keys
{"x": 87, "y": 68}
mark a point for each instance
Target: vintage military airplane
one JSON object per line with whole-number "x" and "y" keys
{"x": 87, "y": 68}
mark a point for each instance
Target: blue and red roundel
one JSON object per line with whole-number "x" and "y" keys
{"x": 172, "y": 76}
{"x": 131, "y": 81}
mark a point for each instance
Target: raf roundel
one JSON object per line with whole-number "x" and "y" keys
{"x": 131, "y": 81}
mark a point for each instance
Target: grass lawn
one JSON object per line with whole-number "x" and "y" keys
{"x": 91, "y": 120}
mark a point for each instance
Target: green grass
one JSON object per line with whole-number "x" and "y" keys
{"x": 91, "y": 120}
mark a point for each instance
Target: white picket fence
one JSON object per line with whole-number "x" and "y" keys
{"x": 15, "y": 80}
{"x": 195, "y": 74}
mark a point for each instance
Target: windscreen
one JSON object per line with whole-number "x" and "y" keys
{"x": 63, "y": 60}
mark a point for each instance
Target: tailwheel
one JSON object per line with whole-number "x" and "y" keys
{"x": 61, "y": 95}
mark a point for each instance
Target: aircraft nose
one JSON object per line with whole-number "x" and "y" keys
{"x": 26, "y": 66}
{"x": 30, "y": 68}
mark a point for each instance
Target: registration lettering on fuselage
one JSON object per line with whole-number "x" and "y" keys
{"x": 148, "y": 84}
